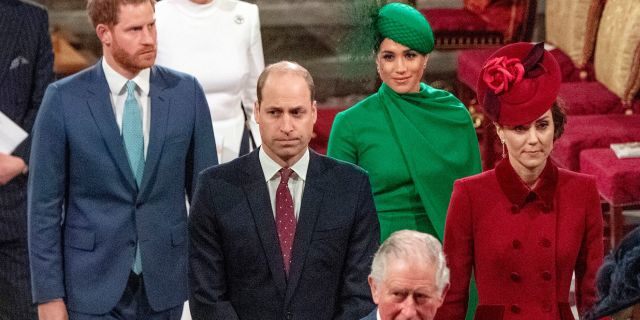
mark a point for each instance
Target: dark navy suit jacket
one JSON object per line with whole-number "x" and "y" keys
{"x": 86, "y": 212}
{"x": 236, "y": 268}
{"x": 26, "y": 68}
{"x": 372, "y": 316}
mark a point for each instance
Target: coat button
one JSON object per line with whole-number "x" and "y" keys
{"x": 289, "y": 315}
{"x": 515, "y": 308}
{"x": 515, "y": 277}
{"x": 545, "y": 243}
{"x": 516, "y": 244}
{"x": 131, "y": 243}
{"x": 515, "y": 209}
{"x": 546, "y": 307}
{"x": 546, "y": 276}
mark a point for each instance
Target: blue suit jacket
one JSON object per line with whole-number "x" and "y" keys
{"x": 26, "y": 68}
{"x": 236, "y": 268}
{"x": 85, "y": 210}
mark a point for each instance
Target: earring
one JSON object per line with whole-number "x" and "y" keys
{"x": 504, "y": 153}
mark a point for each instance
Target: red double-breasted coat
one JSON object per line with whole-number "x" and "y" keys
{"x": 522, "y": 245}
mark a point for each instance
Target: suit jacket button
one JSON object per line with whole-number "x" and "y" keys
{"x": 131, "y": 243}
{"x": 515, "y": 209}
{"x": 289, "y": 315}
{"x": 515, "y": 277}
{"x": 516, "y": 244}
{"x": 546, "y": 276}
{"x": 545, "y": 243}
{"x": 515, "y": 308}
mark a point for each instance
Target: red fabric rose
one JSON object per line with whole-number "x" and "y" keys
{"x": 500, "y": 74}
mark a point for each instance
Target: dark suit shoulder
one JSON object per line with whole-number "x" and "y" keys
{"x": 34, "y": 6}
{"x": 230, "y": 171}
{"x": 72, "y": 82}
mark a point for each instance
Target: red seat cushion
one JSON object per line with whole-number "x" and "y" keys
{"x": 456, "y": 20}
{"x": 322, "y": 128}
{"x": 568, "y": 69}
{"x": 618, "y": 179}
{"x": 581, "y": 98}
{"x": 590, "y": 132}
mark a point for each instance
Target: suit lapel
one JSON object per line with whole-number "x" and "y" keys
{"x": 309, "y": 211}
{"x": 10, "y": 26}
{"x": 260, "y": 203}
{"x": 100, "y": 106}
{"x": 159, "y": 110}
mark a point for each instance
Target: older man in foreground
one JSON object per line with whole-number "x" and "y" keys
{"x": 409, "y": 277}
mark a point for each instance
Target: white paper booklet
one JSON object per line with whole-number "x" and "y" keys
{"x": 626, "y": 150}
{"x": 11, "y": 135}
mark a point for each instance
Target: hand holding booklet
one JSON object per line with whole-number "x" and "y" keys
{"x": 11, "y": 135}
{"x": 626, "y": 150}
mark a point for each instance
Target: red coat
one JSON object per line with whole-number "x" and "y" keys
{"x": 522, "y": 245}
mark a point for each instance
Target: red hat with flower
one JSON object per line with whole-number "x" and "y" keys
{"x": 518, "y": 83}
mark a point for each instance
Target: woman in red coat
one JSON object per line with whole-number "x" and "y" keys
{"x": 523, "y": 228}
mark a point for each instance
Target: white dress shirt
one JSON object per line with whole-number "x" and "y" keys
{"x": 118, "y": 88}
{"x": 296, "y": 182}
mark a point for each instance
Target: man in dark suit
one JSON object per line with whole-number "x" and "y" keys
{"x": 409, "y": 277}
{"x": 26, "y": 68}
{"x": 115, "y": 149}
{"x": 282, "y": 233}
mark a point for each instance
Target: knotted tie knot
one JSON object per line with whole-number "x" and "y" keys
{"x": 285, "y": 174}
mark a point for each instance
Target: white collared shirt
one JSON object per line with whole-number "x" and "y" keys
{"x": 117, "y": 87}
{"x": 270, "y": 170}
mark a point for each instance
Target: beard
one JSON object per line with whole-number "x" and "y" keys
{"x": 139, "y": 60}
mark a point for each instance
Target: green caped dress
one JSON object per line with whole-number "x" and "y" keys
{"x": 414, "y": 146}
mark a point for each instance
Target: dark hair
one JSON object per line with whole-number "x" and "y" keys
{"x": 107, "y": 11}
{"x": 286, "y": 67}
{"x": 559, "y": 116}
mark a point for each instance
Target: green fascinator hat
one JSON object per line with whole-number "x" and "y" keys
{"x": 405, "y": 25}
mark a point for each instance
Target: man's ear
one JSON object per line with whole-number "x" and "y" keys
{"x": 256, "y": 112}
{"x": 374, "y": 289}
{"x": 314, "y": 109}
{"x": 104, "y": 34}
{"x": 444, "y": 294}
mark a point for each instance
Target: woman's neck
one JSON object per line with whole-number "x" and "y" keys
{"x": 529, "y": 176}
{"x": 201, "y": 1}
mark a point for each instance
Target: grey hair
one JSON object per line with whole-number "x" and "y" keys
{"x": 411, "y": 245}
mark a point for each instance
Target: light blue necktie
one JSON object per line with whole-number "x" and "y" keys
{"x": 134, "y": 144}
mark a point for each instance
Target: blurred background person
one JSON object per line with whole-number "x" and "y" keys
{"x": 26, "y": 68}
{"x": 409, "y": 277}
{"x": 524, "y": 227}
{"x": 218, "y": 42}
{"x": 618, "y": 282}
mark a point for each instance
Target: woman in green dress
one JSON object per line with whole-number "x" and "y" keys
{"x": 414, "y": 140}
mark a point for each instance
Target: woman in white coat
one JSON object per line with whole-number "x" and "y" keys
{"x": 218, "y": 42}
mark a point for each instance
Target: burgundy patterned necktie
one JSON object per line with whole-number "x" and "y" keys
{"x": 285, "y": 217}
